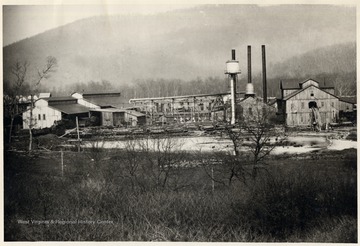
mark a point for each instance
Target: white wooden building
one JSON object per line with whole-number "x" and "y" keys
{"x": 46, "y": 111}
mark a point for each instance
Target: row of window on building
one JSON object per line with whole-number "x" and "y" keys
{"x": 303, "y": 105}
{"x": 43, "y": 117}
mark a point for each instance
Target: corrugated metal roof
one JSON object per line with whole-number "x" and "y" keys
{"x": 71, "y": 108}
{"x": 95, "y": 93}
{"x": 135, "y": 113}
{"x": 183, "y": 96}
{"x": 112, "y": 110}
{"x": 111, "y": 101}
{"x": 54, "y": 99}
{"x": 349, "y": 99}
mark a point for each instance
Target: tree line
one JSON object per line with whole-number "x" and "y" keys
{"x": 344, "y": 83}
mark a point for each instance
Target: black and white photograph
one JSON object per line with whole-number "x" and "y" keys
{"x": 180, "y": 122}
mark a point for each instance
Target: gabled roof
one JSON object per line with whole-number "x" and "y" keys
{"x": 70, "y": 108}
{"x": 308, "y": 80}
{"x": 301, "y": 90}
{"x": 293, "y": 84}
{"x": 44, "y": 95}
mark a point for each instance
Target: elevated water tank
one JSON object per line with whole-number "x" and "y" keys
{"x": 232, "y": 67}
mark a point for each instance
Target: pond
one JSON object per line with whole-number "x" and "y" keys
{"x": 293, "y": 144}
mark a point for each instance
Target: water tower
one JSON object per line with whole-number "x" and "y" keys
{"x": 233, "y": 69}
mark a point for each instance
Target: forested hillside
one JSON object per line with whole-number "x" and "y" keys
{"x": 184, "y": 51}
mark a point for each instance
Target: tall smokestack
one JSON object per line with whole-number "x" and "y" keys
{"x": 249, "y": 63}
{"x": 233, "y": 57}
{"x": 249, "y": 91}
{"x": 264, "y": 73}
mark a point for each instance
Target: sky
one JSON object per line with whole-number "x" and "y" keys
{"x": 23, "y": 21}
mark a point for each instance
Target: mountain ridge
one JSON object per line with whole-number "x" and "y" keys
{"x": 181, "y": 44}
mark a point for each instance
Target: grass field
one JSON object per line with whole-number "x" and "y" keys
{"x": 108, "y": 195}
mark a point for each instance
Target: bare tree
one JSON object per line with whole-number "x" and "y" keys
{"x": 258, "y": 130}
{"x": 12, "y": 96}
{"x": 223, "y": 167}
{"x": 163, "y": 155}
{"x": 251, "y": 144}
{"x": 132, "y": 160}
{"x": 49, "y": 68}
{"x": 345, "y": 88}
{"x": 19, "y": 72}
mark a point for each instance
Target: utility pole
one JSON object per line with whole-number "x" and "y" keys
{"x": 78, "y": 134}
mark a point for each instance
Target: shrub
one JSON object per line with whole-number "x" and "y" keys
{"x": 286, "y": 202}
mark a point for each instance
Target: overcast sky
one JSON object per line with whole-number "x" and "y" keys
{"x": 23, "y": 21}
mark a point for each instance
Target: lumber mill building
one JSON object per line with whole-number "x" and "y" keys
{"x": 106, "y": 108}
{"x": 222, "y": 107}
{"x": 310, "y": 103}
{"x": 188, "y": 108}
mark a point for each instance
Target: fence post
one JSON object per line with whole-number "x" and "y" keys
{"x": 78, "y": 134}
{"x": 62, "y": 163}
{"x": 212, "y": 179}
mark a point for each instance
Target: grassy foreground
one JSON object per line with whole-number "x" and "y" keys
{"x": 101, "y": 197}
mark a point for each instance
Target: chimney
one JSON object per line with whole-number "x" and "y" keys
{"x": 264, "y": 73}
{"x": 249, "y": 63}
{"x": 249, "y": 91}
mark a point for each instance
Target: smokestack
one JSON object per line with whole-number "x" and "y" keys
{"x": 249, "y": 91}
{"x": 264, "y": 73}
{"x": 249, "y": 63}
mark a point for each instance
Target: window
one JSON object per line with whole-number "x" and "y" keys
{"x": 107, "y": 116}
{"x": 332, "y": 104}
{"x": 39, "y": 116}
{"x": 302, "y": 105}
{"x": 322, "y": 104}
{"x": 311, "y": 93}
{"x": 302, "y": 119}
{"x": 250, "y": 112}
{"x": 292, "y": 106}
{"x": 44, "y": 117}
